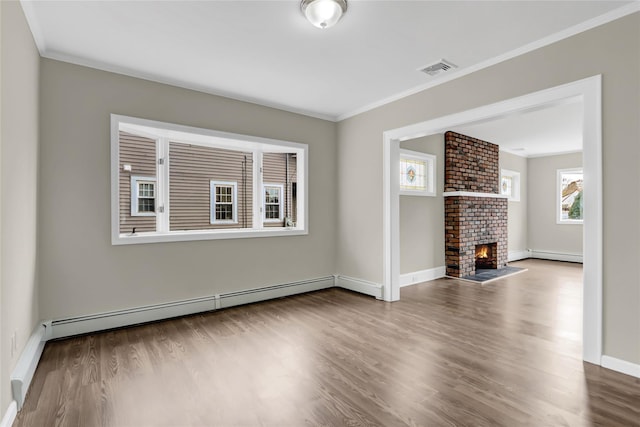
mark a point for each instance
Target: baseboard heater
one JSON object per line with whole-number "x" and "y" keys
{"x": 22, "y": 374}
{"x": 133, "y": 316}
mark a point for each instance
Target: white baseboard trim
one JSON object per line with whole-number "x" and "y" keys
{"x": 116, "y": 319}
{"x": 412, "y": 278}
{"x": 556, "y": 256}
{"x": 359, "y": 285}
{"x": 10, "y": 415}
{"x": 619, "y": 365}
{"x": 518, "y": 255}
{"x": 22, "y": 374}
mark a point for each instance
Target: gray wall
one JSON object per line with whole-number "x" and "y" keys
{"x": 19, "y": 187}
{"x": 84, "y": 273}
{"x": 597, "y": 51}
{"x": 518, "y": 211}
{"x": 422, "y": 218}
{"x": 543, "y": 231}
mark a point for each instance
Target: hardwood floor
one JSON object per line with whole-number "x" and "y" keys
{"x": 450, "y": 353}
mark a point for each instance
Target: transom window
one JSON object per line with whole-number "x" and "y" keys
{"x": 174, "y": 183}
{"x": 510, "y": 184}
{"x": 417, "y": 173}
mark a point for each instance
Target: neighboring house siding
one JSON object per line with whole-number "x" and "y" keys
{"x": 140, "y": 153}
{"x": 274, "y": 171}
{"x": 191, "y": 170}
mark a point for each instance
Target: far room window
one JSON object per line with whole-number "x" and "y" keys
{"x": 510, "y": 184}
{"x": 223, "y": 202}
{"x": 143, "y": 196}
{"x": 272, "y": 203}
{"x": 570, "y": 196}
{"x": 417, "y": 173}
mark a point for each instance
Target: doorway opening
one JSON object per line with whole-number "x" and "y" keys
{"x": 589, "y": 92}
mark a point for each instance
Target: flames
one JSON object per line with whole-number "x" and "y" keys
{"x": 482, "y": 252}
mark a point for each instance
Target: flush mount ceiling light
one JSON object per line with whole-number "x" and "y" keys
{"x": 323, "y": 13}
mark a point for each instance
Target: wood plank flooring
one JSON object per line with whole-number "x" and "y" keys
{"x": 450, "y": 353}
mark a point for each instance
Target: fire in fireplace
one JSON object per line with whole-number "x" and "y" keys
{"x": 487, "y": 256}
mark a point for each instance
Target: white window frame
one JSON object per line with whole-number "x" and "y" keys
{"x": 514, "y": 195}
{"x": 234, "y": 202}
{"x": 135, "y": 181}
{"x": 430, "y": 176}
{"x": 280, "y": 187}
{"x": 559, "y": 219}
{"x": 164, "y": 132}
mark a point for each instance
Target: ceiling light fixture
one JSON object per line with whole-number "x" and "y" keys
{"x": 323, "y": 13}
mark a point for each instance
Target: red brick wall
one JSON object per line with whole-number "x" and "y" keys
{"x": 472, "y": 165}
{"x": 471, "y": 221}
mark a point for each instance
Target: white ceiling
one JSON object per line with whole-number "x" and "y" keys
{"x": 266, "y": 52}
{"x": 550, "y": 130}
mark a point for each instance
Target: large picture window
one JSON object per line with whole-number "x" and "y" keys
{"x": 569, "y": 196}
{"x": 174, "y": 183}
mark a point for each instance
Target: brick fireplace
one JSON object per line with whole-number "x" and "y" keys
{"x": 475, "y": 211}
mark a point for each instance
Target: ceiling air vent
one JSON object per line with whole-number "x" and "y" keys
{"x": 439, "y": 67}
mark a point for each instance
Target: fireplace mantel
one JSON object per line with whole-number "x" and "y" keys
{"x": 473, "y": 194}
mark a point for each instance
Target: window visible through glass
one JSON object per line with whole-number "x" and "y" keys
{"x": 224, "y": 202}
{"x": 146, "y": 197}
{"x": 272, "y": 203}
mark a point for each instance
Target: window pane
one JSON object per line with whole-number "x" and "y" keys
{"x": 194, "y": 201}
{"x": 279, "y": 169}
{"x": 224, "y": 212}
{"x": 571, "y": 186}
{"x": 146, "y": 205}
{"x": 507, "y": 183}
{"x": 136, "y": 170}
{"x": 413, "y": 174}
{"x": 272, "y": 212}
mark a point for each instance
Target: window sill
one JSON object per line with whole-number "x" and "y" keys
{"x": 188, "y": 236}
{"x": 570, "y": 222}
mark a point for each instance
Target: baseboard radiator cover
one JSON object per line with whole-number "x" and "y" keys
{"x": 359, "y": 285}
{"x": 22, "y": 374}
{"x": 62, "y": 328}
{"x": 556, "y": 256}
{"x": 10, "y": 416}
